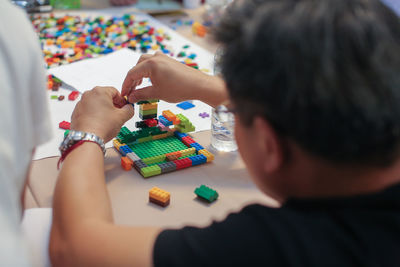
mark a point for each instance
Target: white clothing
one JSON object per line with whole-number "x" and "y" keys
{"x": 24, "y": 122}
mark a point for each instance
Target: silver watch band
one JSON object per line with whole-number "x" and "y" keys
{"x": 74, "y": 137}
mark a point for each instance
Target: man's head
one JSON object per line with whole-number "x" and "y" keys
{"x": 323, "y": 75}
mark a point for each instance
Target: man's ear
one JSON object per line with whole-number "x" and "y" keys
{"x": 269, "y": 144}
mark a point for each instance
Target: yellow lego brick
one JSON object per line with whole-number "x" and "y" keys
{"x": 117, "y": 144}
{"x": 160, "y": 136}
{"x": 159, "y": 194}
{"x": 149, "y": 106}
{"x": 207, "y": 154}
{"x": 188, "y": 151}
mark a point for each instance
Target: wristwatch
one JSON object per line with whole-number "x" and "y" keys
{"x": 74, "y": 137}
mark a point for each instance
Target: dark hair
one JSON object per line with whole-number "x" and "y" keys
{"x": 325, "y": 73}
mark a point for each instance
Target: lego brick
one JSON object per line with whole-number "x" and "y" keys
{"x": 159, "y": 136}
{"x": 145, "y": 117}
{"x": 173, "y": 156}
{"x": 206, "y": 193}
{"x": 149, "y": 106}
{"x": 197, "y": 146}
{"x": 198, "y": 159}
{"x": 144, "y": 139}
{"x": 182, "y": 163}
{"x": 141, "y": 124}
{"x": 179, "y": 135}
{"x": 164, "y": 121}
{"x": 133, "y": 156}
{"x": 148, "y": 112}
{"x": 162, "y": 204}
{"x": 124, "y": 150}
{"x": 65, "y": 125}
{"x": 66, "y": 133}
{"x": 187, "y": 140}
{"x": 126, "y": 163}
{"x": 73, "y": 95}
{"x": 205, "y": 152}
{"x": 151, "y": 122}
{"x": 116, "y": 144}
{"x": 159, "y": 194}
{"x": 139, "y": 164}
{"x": 53, "y": 97}
{"x": 188, "y": 151}
{"x": 150, "y": 171}
{"x": 185, "y": 105}
{"x": 155, "y": 159}
{"x": 61, "y": 98}
{"x": 167, "y": 167}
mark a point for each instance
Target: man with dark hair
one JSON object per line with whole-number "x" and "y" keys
{"x": 315, "y": 88}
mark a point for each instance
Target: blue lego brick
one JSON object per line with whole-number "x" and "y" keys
{"x": 164, "y": 121}
{"x": 185, "y": 105}
{"x": 179, "y": 135}
{"x": 125, "y": 150}
{"x": 198, "y": 159}
{"x": 197, "y": 146}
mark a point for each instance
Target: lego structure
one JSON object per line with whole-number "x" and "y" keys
{"x": 160, "y": 145}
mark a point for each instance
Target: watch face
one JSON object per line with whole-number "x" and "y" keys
{"x": 77, "y": 136}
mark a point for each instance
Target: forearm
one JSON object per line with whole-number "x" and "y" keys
{"x": 81, "y": 192}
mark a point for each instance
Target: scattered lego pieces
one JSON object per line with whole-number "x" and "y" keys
{"x": 73, "y": 95}
{"x": 155, "y": 148}
{"x": 199, "y": 29}
{"x": 61, "y": 98}
{"x": 159, "y": 197}
{"x": 206, "y": 193}
{"x": 65, "y": 125}
{"x": 204, "y": 115}
{"x": 185, "y": 105}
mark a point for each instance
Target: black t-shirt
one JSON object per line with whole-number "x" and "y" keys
{"x": 352, "y": 231}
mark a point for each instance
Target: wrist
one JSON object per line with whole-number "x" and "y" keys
{"x": 213, "y": 91}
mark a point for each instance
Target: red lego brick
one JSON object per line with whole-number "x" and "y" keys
{"x": 187, "y": 140}
{"x": 65, "y": 125}
{"x": 183, "y": 163}
{"x": 73, "y": 95}
{"x": 151, "y": 122}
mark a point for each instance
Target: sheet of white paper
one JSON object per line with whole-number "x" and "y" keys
{"x": 110, "y": 70}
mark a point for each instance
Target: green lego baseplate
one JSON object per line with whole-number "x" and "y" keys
{"x": 160, "y": 149}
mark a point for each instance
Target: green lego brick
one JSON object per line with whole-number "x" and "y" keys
{"x": 148, "y": 112}
{"x": 206, "y": 193}
{"x": 53, "y": 97}
{"x": 150, "y": 171}
{"x": 66, "y": 133}
{"x": 182, "y": 117}
{"x": 153, "y": 160}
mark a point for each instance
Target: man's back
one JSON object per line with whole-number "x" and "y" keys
{"x": 354, "y": 231}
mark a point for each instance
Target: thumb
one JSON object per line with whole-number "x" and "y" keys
{"x": 142, "y": 94}
{"x": 127, "y": 112}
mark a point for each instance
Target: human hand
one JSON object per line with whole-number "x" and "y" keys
{"x": 171, "y": 80}
{"x": 123, "y": 2}
{"x": 101, "y": 111}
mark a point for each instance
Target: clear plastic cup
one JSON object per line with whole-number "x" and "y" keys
{"x": 222, "y": 129}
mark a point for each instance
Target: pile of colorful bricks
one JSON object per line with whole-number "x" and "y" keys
{"x": 67, "y": 38}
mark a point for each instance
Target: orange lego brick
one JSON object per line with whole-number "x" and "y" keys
{"x": 126, "y": 163}
{"x": 149, "y": 106}
{"x": 159, "y": 196}
{"x": 173, "y": 155}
